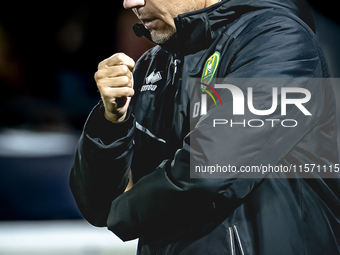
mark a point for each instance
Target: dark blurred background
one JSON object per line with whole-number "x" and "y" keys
{"x": 49, "y": 53}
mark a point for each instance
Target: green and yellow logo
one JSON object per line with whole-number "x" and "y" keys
{"x": 210, "y": 68}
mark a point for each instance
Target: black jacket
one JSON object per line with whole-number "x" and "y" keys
{"x": 163, "y": 139}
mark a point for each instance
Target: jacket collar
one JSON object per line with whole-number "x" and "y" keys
{"x": 197, "y": 30}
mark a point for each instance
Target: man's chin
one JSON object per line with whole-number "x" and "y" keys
{"x": 161, "y": 37}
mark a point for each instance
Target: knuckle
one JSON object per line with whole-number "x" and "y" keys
{"x": 101, "y": 65}
{"x": 129, "y": 84}
{"x": 120, "y": 56}
{"x": 103, "y": 84}
{"x": 96, "y": 76}
{"x": 125, "y": 69}
{"x": 131, "y": 92}
{"x": 125, "y": 80}
{"x": 100, "y": 87}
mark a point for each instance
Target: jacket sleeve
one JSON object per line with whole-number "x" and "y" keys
{"x": 169, "y": 198}
{"x": 102, "y": 163}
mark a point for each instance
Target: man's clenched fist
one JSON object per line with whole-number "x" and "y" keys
{"x": 115, "y": 83}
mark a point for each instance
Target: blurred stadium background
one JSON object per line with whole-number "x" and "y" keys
{"x": 49, "y": 53}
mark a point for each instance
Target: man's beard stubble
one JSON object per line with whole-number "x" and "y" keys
{"x": 164, "y": 35}
{"x": 160, "y": 37}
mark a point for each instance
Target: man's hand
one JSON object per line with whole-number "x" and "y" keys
{"x": 115, "y": 83}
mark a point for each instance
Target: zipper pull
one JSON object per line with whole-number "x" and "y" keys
{"x": 176, "y": 63}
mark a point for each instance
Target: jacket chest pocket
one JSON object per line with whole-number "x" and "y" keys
{"x": 235, "y": 241}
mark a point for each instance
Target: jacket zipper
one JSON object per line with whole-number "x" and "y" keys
{"x": 233, "y": 233}
{"x": 175, "y": 63}
{"x": 238, "y": 239}
{"x": 232, "y": 244}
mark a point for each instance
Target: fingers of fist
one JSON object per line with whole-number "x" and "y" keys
{"x": 114, "y": 76}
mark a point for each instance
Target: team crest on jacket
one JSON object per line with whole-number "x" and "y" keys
{"x": 210, "y": 68}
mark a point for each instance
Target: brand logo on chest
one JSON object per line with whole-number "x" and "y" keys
{"x": 150, "y": 80}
